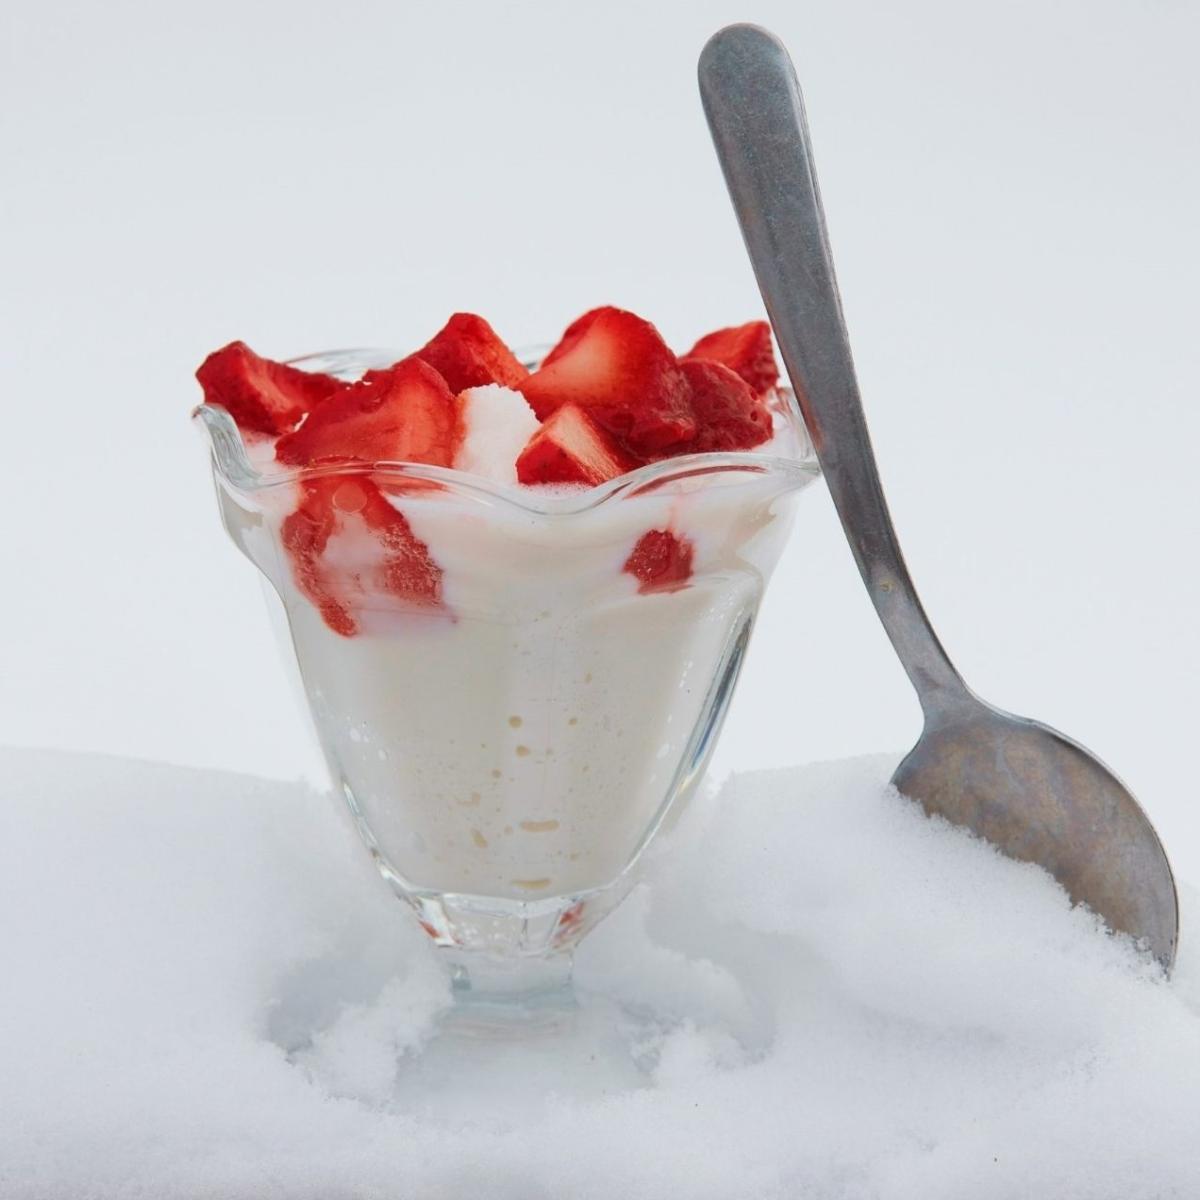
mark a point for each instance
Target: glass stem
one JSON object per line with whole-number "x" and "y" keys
{"x": 530, "y": 980}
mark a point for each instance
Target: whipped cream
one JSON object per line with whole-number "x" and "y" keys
{"x": 497, "y": 423}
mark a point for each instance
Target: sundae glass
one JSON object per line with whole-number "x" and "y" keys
{"x": 514, "y": 686}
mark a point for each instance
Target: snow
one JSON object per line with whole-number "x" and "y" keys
{"x": 815, "y": 992}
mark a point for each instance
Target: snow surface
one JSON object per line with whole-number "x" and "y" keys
{"x": 816, "y": 992}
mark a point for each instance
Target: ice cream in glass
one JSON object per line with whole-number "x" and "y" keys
{"x": 519, "y": 592}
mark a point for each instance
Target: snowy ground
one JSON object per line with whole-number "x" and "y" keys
{"x": 816, "y": 992}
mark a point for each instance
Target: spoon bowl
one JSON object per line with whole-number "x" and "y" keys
{"x": 1032, "y": 792}
{"x": 1043, "y": 798}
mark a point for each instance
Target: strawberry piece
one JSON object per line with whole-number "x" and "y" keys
{"x": 745, "y": 349}
{"x": 618, "y": 368}
{"x": 661, "y": 561}
{"x": 571, "y": 448}
{"x": 467, "y": 353}
{"x": 409, "y": 571}
{"x": 573, "y": 333}
{"x": 729, "y": 416}
{"x": 260, "y": 395}
{"x": 393, "y": 562}
{"x": 403, "y": 414}
{"x": 304, "y": 534}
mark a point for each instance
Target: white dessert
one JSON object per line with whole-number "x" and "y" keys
{"x": 524, "y": 740}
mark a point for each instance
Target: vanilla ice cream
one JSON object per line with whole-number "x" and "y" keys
{"x": 524, "y": 739}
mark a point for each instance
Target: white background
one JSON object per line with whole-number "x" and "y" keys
{"x": 1012, "y": 192}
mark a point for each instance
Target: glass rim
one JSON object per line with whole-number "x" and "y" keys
{"x": 235, "y": 469}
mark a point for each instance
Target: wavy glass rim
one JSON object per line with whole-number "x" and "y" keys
{"x": 235, "y": 468}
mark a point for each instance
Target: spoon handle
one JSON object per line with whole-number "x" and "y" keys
{"x": 756, "y": 115}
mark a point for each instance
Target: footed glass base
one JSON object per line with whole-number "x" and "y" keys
{"x": 496, "y": 927}
{"x": 501, "y": 928}
{"x": 503, "y": 997}
{"x": 510, "y": 960}
{"x": 484, "y": 1065}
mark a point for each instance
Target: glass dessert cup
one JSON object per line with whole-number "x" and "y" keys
{"x": 508, "y": 753}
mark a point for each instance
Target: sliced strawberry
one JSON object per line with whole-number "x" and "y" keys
{"x": 403, "y": 414}
{"x": 571, "y": 448}
{"x": 618, "y": 368}
{"x": 745, "y": 349}
{"x": 661, "y": 561}
{"x": 573, "y": 333}
{"x": 392, "y": 560}
{"x": 305, "y": 534}
{"x": 260, "y": 395}
{"x": 467, "y": 353}
{"x": 409, "y": 571}
{"x": 729, "y": 416}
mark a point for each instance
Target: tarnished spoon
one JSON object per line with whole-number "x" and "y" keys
{"x": 1029, "y": 790}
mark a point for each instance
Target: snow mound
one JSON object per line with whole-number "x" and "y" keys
{"x": 816, "y": 992}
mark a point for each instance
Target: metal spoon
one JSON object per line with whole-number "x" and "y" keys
{"x": 1032, "y": 792}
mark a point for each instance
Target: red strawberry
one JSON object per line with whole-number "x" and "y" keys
{"x": 571, "y": 448}
{"x": 618, "y": 368}
{"x": 409, "y": 571}
{"x": 729, "y": 416}
{"x": 661, "y": 561}
{"x": 467, "y": 353}
{"x": 305, "y": 533}
{"x": 573, "y": 333}
{"x": 337, "y": 504}
{"x": 260, "y": 395}
{"x": 403, "y": 414}
{"x": 745, "y": 349}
